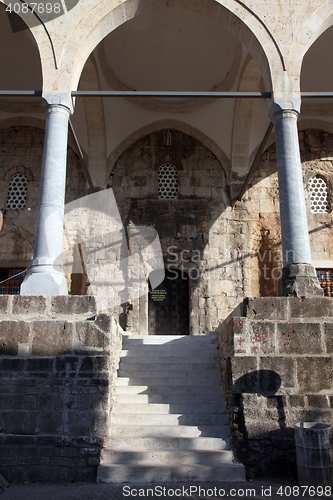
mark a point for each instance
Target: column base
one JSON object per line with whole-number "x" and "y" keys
{"x": 299, "y": 280}
{"x": 44, "y": 282}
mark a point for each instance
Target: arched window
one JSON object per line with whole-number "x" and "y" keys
{"x": 319, "y": 195}
{"x": 167, "y": 181}
{"x": 17, "y": 192}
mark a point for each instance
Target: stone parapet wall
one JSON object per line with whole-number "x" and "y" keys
{"x": 58, "y": 365}
{"x": 277, "y": 370}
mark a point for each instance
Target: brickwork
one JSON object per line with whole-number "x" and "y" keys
{"x": 277, "y": 370}
{"x": 58, "y": 364}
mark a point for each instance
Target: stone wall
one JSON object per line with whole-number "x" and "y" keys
{"x": 21, "y": 151}
{"x": 58, "y": 364}
{"x": 228, "y": 251}
{"x": 277, "y": 369}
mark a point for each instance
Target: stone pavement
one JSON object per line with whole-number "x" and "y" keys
{"x": 276, "y": 489}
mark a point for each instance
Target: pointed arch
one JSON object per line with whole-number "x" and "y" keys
{"x": 178, "y": 125}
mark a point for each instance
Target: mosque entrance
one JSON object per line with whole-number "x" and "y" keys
{"x": 168, "y": 305}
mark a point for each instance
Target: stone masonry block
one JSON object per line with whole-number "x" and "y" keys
{"x": 67, "y": 363}
{"x": 262, "y": 339}
{"x": 51, "y": 337}
{"x": 13, "y": 333}
{"x": 266, "y": 308}
{"x": 40, "y": 364}
{"x": 50, "y": 422}
{"x": 5, "y": 304}
{"x": 315, "y": 307}
{"x": 314, "y": 374}
{"x": 96, "y": 334}
{"x": 299, "y": 338}
{"x": 253, "y": 338}
{"x": 318, "y": 400}
{"x": 241, "y": 366}
{"x": 328, "y": 337}
{"x": 12, "y": 364}
{"x": 73, "y": 304}
{"x": 275, "y": 369}
{"x": 78, "y": 423}
{"x": 29, "y": 305}
{"x": 296, "y": 401}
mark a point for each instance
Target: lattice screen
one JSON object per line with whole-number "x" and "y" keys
{"x": 319, "y": 195}
{"x": 17, "y": 192}
{"x": 167, "y": 181}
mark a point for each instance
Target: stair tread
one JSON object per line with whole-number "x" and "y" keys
{"x": 169, "y": 420}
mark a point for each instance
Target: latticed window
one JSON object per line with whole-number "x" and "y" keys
{"x": 319, "y": 195}
{"x": 17, "y": 192}
{"x": 167, "y": 181}
{"x": 325, "y": 277}
{"x": 10, "y": 280}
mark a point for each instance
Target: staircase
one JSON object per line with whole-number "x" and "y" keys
{"x": 169, "y": 421}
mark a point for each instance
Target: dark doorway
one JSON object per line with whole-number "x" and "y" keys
{"x": 168, "y": 309}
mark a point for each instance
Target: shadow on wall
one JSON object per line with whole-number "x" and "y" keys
{"x": 264, "y": 436}
{"x": 253, "y": 438}
{"x": 56, "y": 387}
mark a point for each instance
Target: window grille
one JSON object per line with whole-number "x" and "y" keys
{"x": 167, "y": 181}
{"x": 319, "y": 195}
{"x": 325, "y": 277}
{"x": 10, "y": 280}
{"x": 17, "y": 192}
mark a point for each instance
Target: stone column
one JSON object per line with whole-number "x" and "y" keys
{"x": 298, "y": 275}
{"x": 46, "y": 275}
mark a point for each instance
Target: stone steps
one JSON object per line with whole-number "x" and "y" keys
{"x": 197, "y": 399}
{"x": 166, "y": 408}
{"x": 169, "y": 420}
{"x": 168, "y": 457}
{"x": 169, "y": 380}
{"x": 163, "y": 389}
{"x": 155, "y": 473}
{"x": 168, "y": 443}
{"x": 191, "y": 431}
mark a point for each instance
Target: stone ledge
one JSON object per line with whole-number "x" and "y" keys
{"x": 48, "y": 307}
{"x": 288, "y": 308}
{"x": 48, "y": 326}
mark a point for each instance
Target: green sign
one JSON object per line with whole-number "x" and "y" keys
{"x": 159, "y": 295}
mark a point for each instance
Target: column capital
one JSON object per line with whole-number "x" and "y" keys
{"x": 61, "y": 99}
{"x": 277, "y": 113}
{"x": 286, "y": 95}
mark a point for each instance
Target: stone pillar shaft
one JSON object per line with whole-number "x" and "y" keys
{"x": 294, "y": 226}
{"x": 46, "y": 275}
{"x": 298, "y": 275}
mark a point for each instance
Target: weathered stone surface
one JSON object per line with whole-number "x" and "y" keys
{"x": 267, "y": 308}
{"x": 51, "y": 337}
{"x": 29, "y": 305}
{"x": 73, "y": 304}
{"x": 299, "y": 280}
{"x": 314, "y": 374}
{"x": 13, "y": 333}
{"x": 290, "y": 382}
{"x": 311, "y": 308}
{"x": 299, "y": 338}
{"x": 55, "y": 404}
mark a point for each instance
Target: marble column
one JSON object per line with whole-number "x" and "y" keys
{"x": 298, "y": 275}
{"x": 46, "y": 274}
